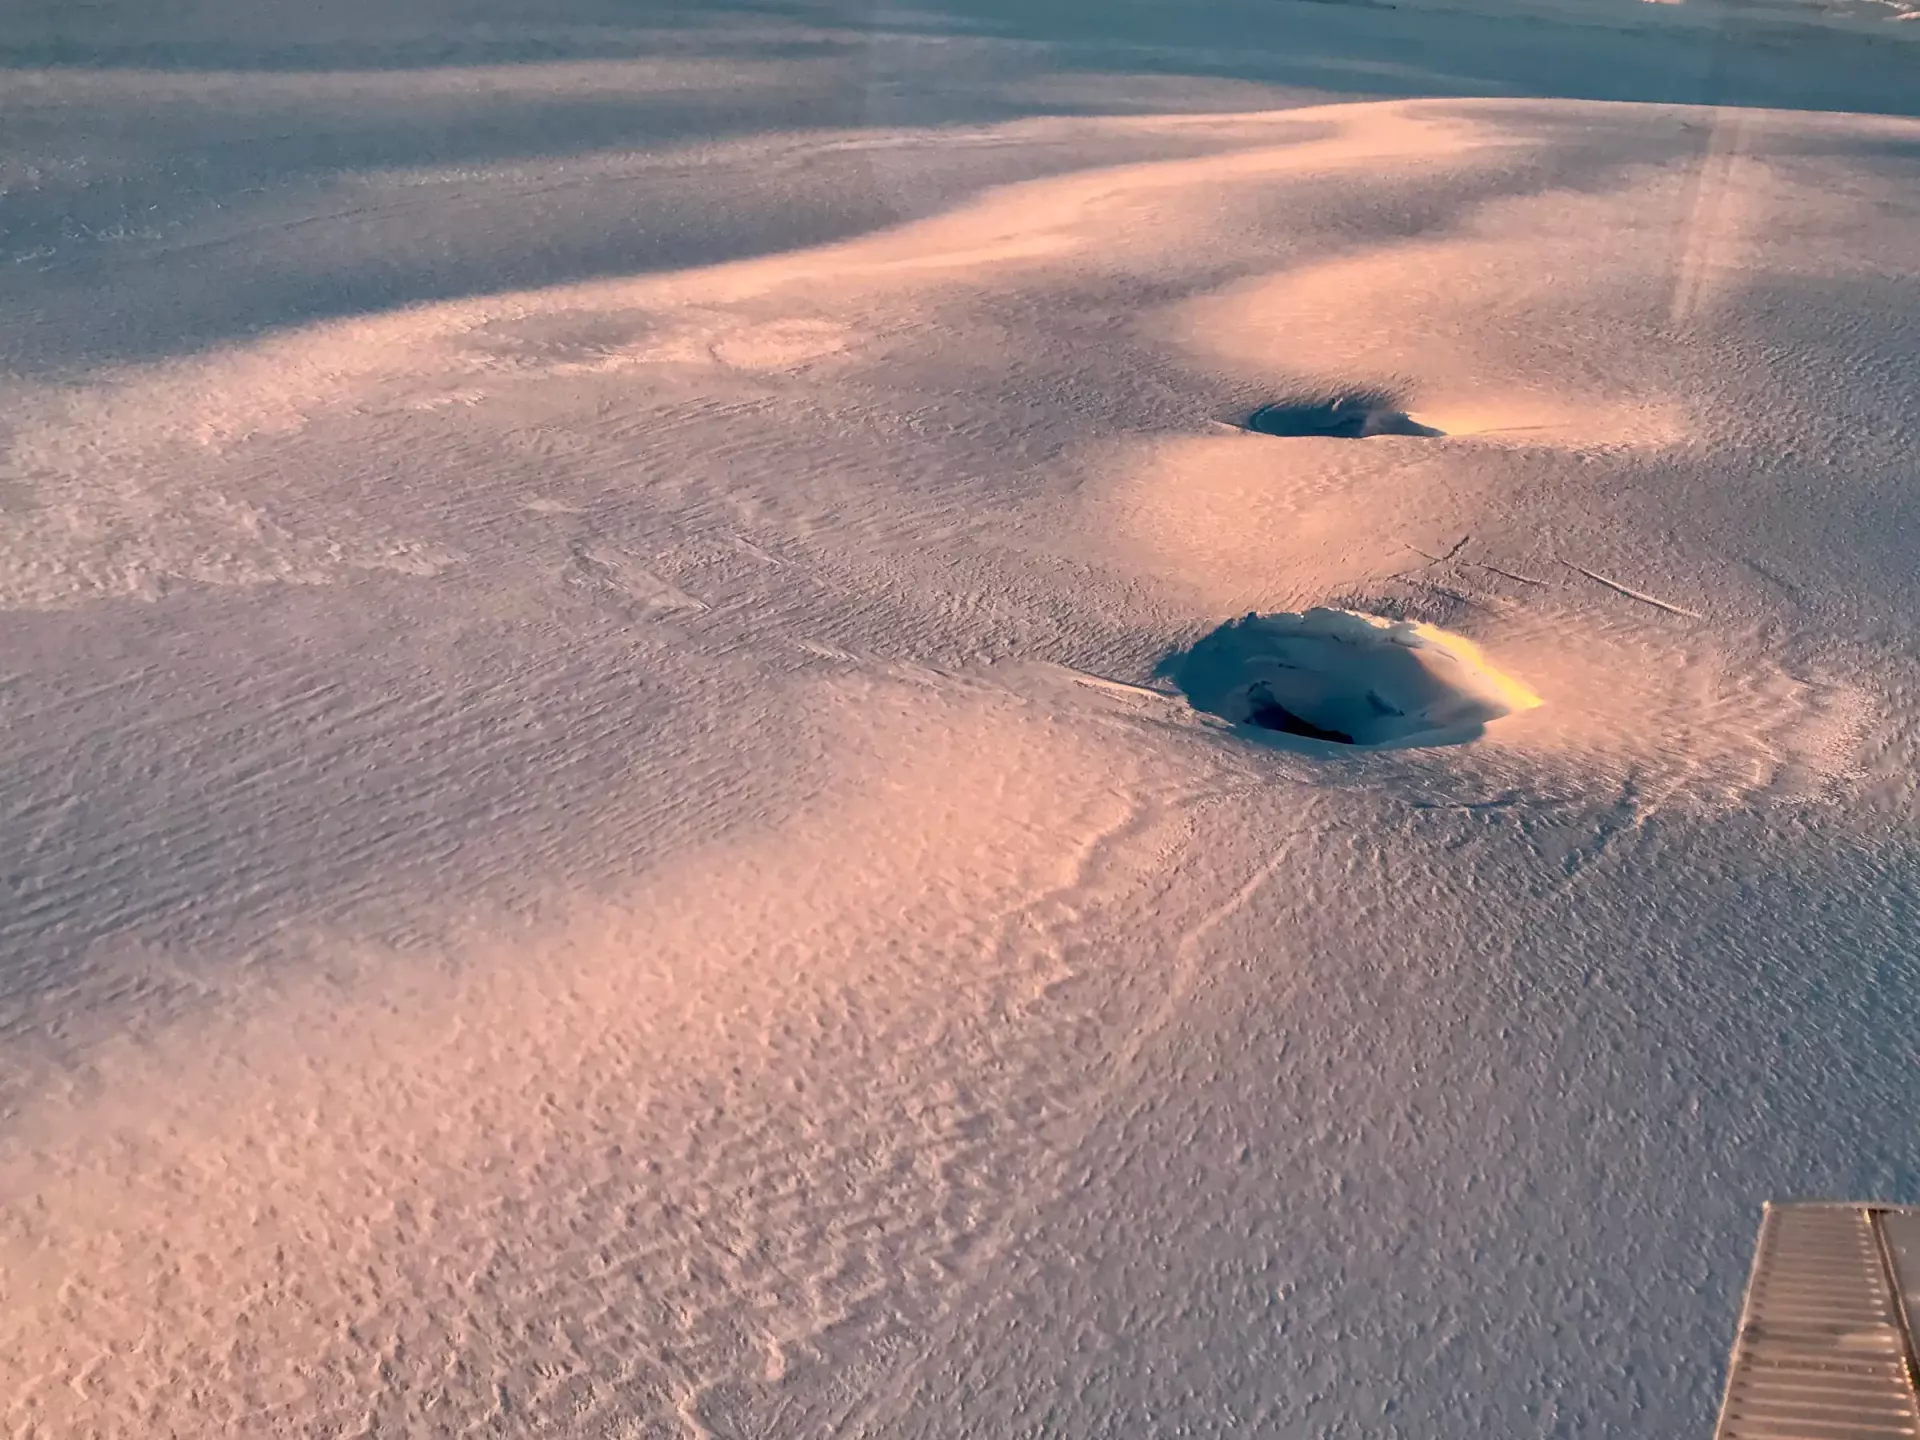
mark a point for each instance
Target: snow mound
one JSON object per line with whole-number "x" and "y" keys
{"x": 1346, "y": 678}
{"x": 1342, "y": 417}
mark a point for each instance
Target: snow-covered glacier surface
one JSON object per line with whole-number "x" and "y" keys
{"x": 601, "y": 838}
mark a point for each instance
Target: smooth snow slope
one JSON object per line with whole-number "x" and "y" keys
{"x": 605, "y": 859}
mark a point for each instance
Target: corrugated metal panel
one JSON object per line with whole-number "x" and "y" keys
{"x": 1824, "y": 1352}
{"x": 1900, "y": 1229}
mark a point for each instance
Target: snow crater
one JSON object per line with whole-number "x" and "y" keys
{"x": 1346, "y": 678}
{"x": 1343, "y": 417}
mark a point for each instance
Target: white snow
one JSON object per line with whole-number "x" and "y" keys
{"x": 601, "y": 831}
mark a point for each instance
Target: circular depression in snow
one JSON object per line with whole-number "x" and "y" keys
{"x": 1346, "y": 678}
{"x": 1344, "y": 417}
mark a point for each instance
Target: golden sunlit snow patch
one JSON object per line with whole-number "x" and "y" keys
{"x": 1680, "y": 712}
{"x": 629, "y": 1127}
{"x": 1454, "y": 324}
{"x": 1244, "y": 522}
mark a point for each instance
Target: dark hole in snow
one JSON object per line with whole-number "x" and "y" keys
{"x": 1344, "y": 417}
{"x": 1344, "y": 678}
{"x": 1269, "y": 714}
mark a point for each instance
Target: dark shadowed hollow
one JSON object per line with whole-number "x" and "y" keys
{"x": 1342, "y": 417}
{"x": 1344, "y": 679}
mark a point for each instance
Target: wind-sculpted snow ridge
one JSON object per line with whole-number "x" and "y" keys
{"x": 1349, "y": 679}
